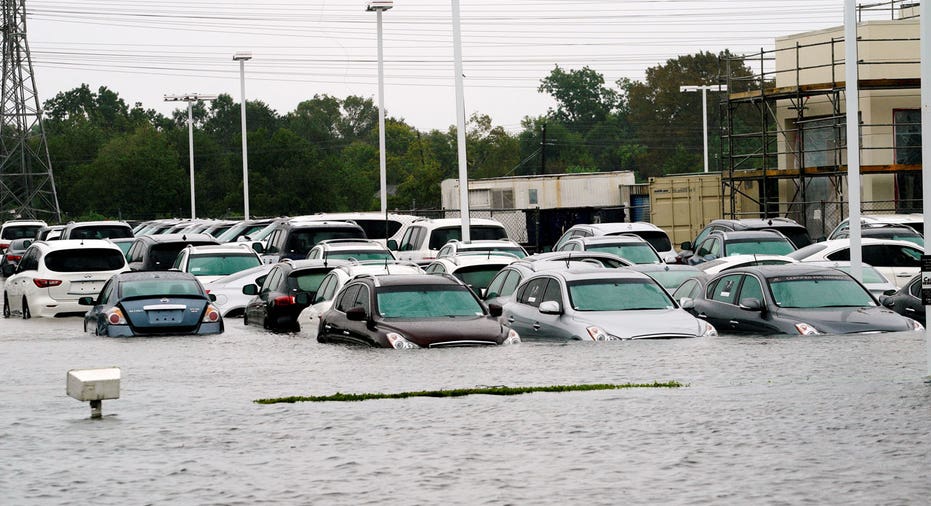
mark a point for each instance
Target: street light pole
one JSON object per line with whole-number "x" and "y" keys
{"x": 379, "y": 7}
{"x": 460, "y": 127}
{"x": 242, "y": 58}
{"x": 704, "y": 108}
{"x": 190, "y": 98}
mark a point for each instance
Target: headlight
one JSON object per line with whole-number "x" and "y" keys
{"x": 806, "y": 329}
{"x": 916, "y": 325}
{"x": 398, "y": 342}
{"x": 707, "y": 329}
{"x": 597, "y": 334}
{"x": 513, "y": 337}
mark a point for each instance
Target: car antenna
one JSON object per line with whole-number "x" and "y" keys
{"x": 568, "y": 259}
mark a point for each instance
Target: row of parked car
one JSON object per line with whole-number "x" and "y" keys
{"x": 603, "y": 282}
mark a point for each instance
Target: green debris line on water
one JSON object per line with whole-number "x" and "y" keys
{"x": 461, "y": 392}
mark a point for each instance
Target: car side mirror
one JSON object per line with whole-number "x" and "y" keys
{"x": 212, "y": 297}
{"x": 687, "y": 303}
{"x": 356, "y": 314}
{"x": 887, "y": 301}
{"x": 550, "y": 307}
{"x": 392, "y": 244}
{"x": 686, "y": 245}
{"x": 495, "y": 310}
{"x": 258, "y": 248}
{"x": 86, "y": 301}
{"x": 250, "y": 289}
{"x": 751, "y": 304}
{"x": 302, "y": 299}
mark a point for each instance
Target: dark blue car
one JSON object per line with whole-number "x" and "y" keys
{"x": 152, "y": 303}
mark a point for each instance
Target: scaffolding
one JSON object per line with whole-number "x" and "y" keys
{"x": 783, "y": 129}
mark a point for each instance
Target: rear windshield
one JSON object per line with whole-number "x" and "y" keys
{"x": 301, "y": 240}
{"x": 379, "y": 229}
{"x": 307, "y": 281}
{"x": 21, "y": 232}
{"x": 657, "y": 238}
{"x": 94, "y": 259}
{"x": 636, "y": 253}
{"x": 162, "y": 256}
{"x": 367, "y": 254}
{"x": 101, "y": 232}
{"x": 798, "y": 236}
{"x": 159, "y": 287}
{"x": 441, "y": 236}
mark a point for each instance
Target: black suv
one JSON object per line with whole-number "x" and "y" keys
{"x": 158, "y": 252}
{"x": 294, "y": 238}
{"x": 796, "y": 233}
{"x": 721, "y": 244}
{"x": 284, "y": 292}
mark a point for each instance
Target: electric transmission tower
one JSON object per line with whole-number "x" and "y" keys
{"x": 27, "y": 188}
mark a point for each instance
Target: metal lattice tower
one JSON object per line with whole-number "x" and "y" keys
{"x": 27, "y": 187}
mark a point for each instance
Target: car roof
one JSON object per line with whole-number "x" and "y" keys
{"x": 378, "y": 267}
{"x": 615, "y": 227}
{"x": 582, "y": 272}
{"x": 611, "y": 239}
{"x": 483, "y": 242}
{"x": 467, "y": 260}
{"x": 446, "y": 222}
{"x": 170, "y": 238}
{"x": 66, "y": 244}
{"x": 31, "y": 223}
{"x": 353, "y": 243}
{"x": 757, "y": 223}
{"x": 783, "y": 270}
{"x": 412, "y": 279}
{"x": 844, "y": 243}
{"x": 750, "y": 234}
{"x": 221, "y": 248}
{"x": 665, "y": 267}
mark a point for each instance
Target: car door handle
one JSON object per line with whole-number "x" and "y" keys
{"x": 734, "y": 322}
{"x": 904, "y": 275}
{"x": 910, "y": 310}
{"x": 536, "y": 326}
{"x": 701, "y": 315}
{"x": 510, "y": 319}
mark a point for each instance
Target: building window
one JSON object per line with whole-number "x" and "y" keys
{"x": 908, "y": 151}
{"x": 823, "y": 142}
{"x": 502, "y": 199}
{"x": 532, "y": 196}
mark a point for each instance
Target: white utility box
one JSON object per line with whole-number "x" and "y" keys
{"x": 94, "y": 385}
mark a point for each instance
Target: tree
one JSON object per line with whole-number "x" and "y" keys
{"x": 581, "y": 96}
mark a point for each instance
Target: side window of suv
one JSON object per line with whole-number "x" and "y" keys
{"x": 726, "y": 289}
{"x": 704, "y": 249}
{"x": 346, "y": 301}
{"x": 30, "y": 261}
{"x": 412, "y": 239}
{"x": 273, "y": 242}
{"x": 532, "y": 295}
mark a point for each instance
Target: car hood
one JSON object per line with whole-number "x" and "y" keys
{"x": 450, "y": 331}
{"x": 643, "y": 324}
{"x": 848, "y": 320}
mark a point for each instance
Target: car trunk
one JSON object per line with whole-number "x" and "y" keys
{"x": 168, "y": 314}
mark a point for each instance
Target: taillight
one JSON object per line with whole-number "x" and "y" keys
{"x": 4, "y": 245}
{"x": 14, "y": 258}
{"x": 211, "y": 315}
{"x": 284, "y": 300}
{"x": 45, "y": 283}
{"x": 115, "y": 317}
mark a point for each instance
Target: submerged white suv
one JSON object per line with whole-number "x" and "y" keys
{"x": 654, "y": 235}
{"x": 52, "y": 276}
{"x": 423, "y": 239}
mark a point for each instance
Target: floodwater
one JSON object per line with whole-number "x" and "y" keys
{"x": 817, "y": 420}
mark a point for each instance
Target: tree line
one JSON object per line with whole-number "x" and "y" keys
{"x": 111, "y": 160}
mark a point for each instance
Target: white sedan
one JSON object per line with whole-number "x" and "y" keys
{"x": 898, "y": 261}
{"x": 230, "y": 300}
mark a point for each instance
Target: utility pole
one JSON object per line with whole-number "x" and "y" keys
{"x": 27, "y": 186}
{"x": 543, "y": 152}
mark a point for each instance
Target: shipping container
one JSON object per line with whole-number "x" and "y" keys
{"x": 683, "y": 204}
{"x": 556, "y": 191}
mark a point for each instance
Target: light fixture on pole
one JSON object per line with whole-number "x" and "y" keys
{"x": 190, "y": 98}
{"x": 242, "y": 58}
{"x": 379, "y": 6}
{"x": 704, "y": 108}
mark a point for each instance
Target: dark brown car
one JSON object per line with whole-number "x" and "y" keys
{"x": 406, "y": 311}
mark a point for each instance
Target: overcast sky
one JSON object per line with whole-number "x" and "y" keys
{"x": 144, "y": 49}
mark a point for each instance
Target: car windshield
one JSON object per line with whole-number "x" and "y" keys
{"x": 85, "y": 260}
{"x": 510, "y": 250}
{"x": 221, "y": 265}
{"x": 759, "y": 247}
{"x": 813, "y": 291}
{"x": 636, "y": 253}
{"x": 671, "y": 279}
{"x": 427, "y": 301}
{"x": 360, "y": 254}
{"x": 443, "y": 235}
{"x": 617, "y": 295}
{"x": 159, "y": 288}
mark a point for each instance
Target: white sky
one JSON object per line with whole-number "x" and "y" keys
{"x": 144, "y": 49}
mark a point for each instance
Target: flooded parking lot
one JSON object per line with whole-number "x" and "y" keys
{"x": 827, "y": 419}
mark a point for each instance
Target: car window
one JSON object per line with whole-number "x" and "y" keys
{"x": 105, "y": 292}
{"x": 552, "y": 292}
{"x": 443, "y": 235}
{"x": 807, "y": 251}
{"x": 325, "y": 292}
{"x": 725, "y": 290}
{"x": 272, "y": 243}
{"x": 271, "y": 280}
{"x": 657, "y": 238}
{"x": 914, "y": 289}
{"x": 85, "y": 260}
{"x": 704, "y": 249}
{"x": 532, "y": 295}
{"x": 306, "y": 280}
{"x": 689, "y": 288}
{"x": 362, "y": 299}
{"x": 348, "y": 298}
{"x": 751, "y": 289}
{"x": 435, "y": 268}
{"x": 445, "y": 251}
{"x": 903, "y": 256}
{"x": 314, "y": 253}
{"x": 497, "y": 284}
{"x": 30, "y": 260}
{"x": 701, "y": 236}
{"x": 715, "y": 246}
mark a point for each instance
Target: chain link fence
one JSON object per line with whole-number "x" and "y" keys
{"x": 821, "y": 217}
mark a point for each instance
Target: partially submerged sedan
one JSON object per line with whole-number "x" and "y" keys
{"x": 407, "y": 311}
{"x": 152, "y": 303}
{"x": 795, "y": 299}
{"x": 593, "y": 304}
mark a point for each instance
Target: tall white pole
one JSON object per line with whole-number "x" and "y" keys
{"x": 460, "y": 126}
{"x": 245, "y": 149}
{"x": 852, "y": 93}
{"x": 382, "y": 157}
{"x": 704, "y": 115}
{"x": 190, "y": 143}
{"x": 926, "y": 146}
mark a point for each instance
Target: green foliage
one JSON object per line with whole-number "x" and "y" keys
{"x": 500, "y": 390}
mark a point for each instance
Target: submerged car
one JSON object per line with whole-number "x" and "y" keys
{"x": 275, "y": 303}
{"x": 596, "y": 304}
{"x": 795, "y": 299}
{"x": 12, "y": 256}
{"x": 407, "y": 311}
{"x": 907, "y": 300}
{"x": 152, "y": 303}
